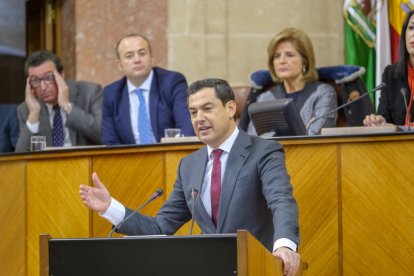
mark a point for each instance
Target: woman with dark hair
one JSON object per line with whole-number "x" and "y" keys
{"x": 291, "y": 62}
{"x": 399, "y": 79}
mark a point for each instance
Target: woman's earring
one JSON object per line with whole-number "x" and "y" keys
{"x": 304, "y": 70}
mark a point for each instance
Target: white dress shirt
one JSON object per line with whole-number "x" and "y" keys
{"x": 34, "y": 128}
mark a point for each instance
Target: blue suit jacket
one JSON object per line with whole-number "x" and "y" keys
{"x": 167, "y": 105}
{"x": 9, "y": 127}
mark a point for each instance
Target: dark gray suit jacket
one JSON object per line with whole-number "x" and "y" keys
{"x": 256, "y": 195}
{"x": 84, "y": 121}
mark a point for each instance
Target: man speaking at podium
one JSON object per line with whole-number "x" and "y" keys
{"x": 242, "y": 180}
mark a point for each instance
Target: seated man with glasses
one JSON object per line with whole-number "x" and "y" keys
{"x": 66, "y": 113}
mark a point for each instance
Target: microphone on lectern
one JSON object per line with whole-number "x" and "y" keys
{"x": 403, "y": 92}
{"x": 194, "y": 194}
{"x": 378, "y": 87}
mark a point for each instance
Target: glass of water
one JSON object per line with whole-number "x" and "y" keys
{"x": 37, "y": 143}
{"x": 172, "y": 132}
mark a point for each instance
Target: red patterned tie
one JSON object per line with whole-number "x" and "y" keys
{"x": 215, "y": 184}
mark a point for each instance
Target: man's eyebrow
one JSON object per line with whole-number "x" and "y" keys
{"x": 203, "y": 105}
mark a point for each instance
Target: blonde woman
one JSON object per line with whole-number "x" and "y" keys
{"x": 291, "y": 62}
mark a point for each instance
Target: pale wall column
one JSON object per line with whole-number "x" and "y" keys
{"x": 228, "y": 39}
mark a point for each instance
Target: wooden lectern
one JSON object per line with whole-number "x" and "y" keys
{"x": 225, "y": 254}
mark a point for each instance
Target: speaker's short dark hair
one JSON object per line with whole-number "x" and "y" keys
{"x": 221, "y": 88}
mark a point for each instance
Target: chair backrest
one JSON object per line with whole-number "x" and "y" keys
{"x": 241, "y": 93}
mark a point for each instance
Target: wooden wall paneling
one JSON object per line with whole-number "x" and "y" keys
{"x": 13, "y": 218}
{"x": 314, "y": 175}
{"x": 378, "y": 209}
{"x": 131, "y": 179}
{"x": 53, "y": 204}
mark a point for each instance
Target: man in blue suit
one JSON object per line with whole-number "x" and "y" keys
{"x": 242, "y": 180}
{"x": 147, "y": 100}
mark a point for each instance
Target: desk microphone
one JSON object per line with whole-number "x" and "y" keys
{"x": 194, "y": 194}
{"x": 378, "y": 87}
{"x": 155, "y": 195}
{"x": 403, "y": 93}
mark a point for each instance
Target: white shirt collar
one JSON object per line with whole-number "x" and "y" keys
{"x": 146, "y": 85}
{"x": 227, "y": 145}
{"x": 49, "y": 108}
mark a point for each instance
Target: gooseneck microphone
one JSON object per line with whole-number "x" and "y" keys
{"x": 155, "y": 195}
{"x": 194, "y": 194}
{"x": 408, "y": 112}
{"x": 378, "y": 87}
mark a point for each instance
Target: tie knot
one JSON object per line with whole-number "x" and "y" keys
{"x": 217, "y": 153}
{"x": 56, "y": 107}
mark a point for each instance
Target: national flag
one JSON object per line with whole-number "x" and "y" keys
{"x": 397, "y": 10}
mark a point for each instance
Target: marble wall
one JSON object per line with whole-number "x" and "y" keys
{"x": 91, "y": 29}
{"x": 200, "y": 38}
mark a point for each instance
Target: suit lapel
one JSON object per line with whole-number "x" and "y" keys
{"x": 154, "y": 97}
{"x": 124, "y": 118}
{"x": 237, "y": 157}
{"x": 197, "y": 177}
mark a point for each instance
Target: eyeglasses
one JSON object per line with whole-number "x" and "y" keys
{"x": 48, "y": 79}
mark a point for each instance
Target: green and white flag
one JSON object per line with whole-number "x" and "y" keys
{"x": 360, "y": 40}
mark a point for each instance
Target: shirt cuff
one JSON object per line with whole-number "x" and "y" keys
{"x": 115, "y": 212}
{"x": 283, "y": 242}
{"x": 34, "y": 128}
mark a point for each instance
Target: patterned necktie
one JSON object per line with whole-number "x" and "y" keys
{"x": 144, "y": 128}
{"x": 215, "y": 184}
{"x": 57, "y": 131}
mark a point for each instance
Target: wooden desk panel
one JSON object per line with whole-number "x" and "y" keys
{"x": 378, "y": 208}
{"x": 131, "y": 179}
{"x": 354, "y": 195}
{"x": 172, "y": 160}
{"x": 314, "y": 176}
{"x": 13, "y": 218}
{"x": 53, "y": 204}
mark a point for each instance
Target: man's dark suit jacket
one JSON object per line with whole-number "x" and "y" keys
{"x": 256, "y": 195}
{"x": 167, "y": 105}
{"x": 84, "y": 122}
{"x": 391, "y": 105}
{"x": 9, "y": 127}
